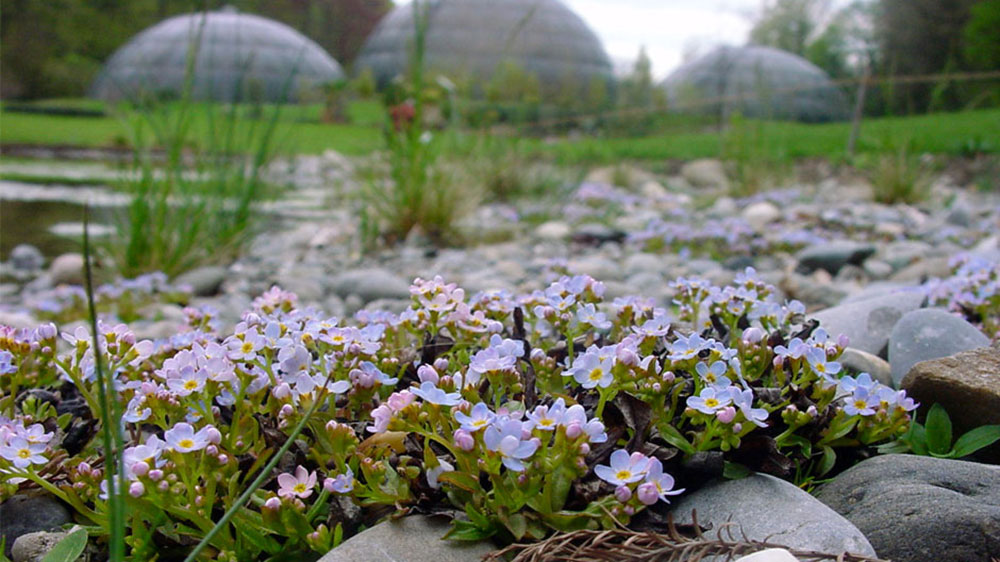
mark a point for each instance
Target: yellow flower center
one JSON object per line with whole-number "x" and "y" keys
{"x": 623, "y": 474}
{"x": 479, "y": 423}
{"x": 186, "y": 443}
{"x": 24, "y": 453}
{"x": 711, "y": 402}
{"x": 247, "y": 347}
{"x": 191, "y": 384}
{"x": 596, "y": 374}
{"x": 860, "y": 404}
{"x": 299, "y": 488}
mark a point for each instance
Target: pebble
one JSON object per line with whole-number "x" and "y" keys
{"x": 413, "y": 539}
{"x": 26, "y": 513}
{"x": 929, "y": 334}
{"x": 204, "y": 281}
{"x": 833, "y": 255}
{"x": 966, "y": 384}
{"x": 26, "y": 258}
{"x": 867, "y": 323}
{"x": 67, "y": 269}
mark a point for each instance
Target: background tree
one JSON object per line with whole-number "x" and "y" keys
{"x": 788, "y": 24}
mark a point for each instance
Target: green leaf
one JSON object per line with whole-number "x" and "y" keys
{"x": 460, "y": 480}
{"x": 476, "y": 517}
{"x": 256, "y": 536}
{"x": 468, "y": 531}
{"x": 894, "y": 447}
{"x": 827, "y": 461}
{"x": 975, "y": 439}
{"x": 68, "y": 549}
{"x": 517, "y": 525}
{"x": 803, "y": 443}
{"x": 938, "y": 426}
{"x": 917, "y": 437}
{"x": 734, "y": 470}
{"x": 671, "y": 435}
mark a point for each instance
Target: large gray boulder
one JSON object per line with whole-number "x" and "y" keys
{"x": 921, "y": 509}
{"x": 929, "y": 333}
{"x": 868, "y": 323}
{"x": 767, "y": 508}
{"x": 413, "y": 539}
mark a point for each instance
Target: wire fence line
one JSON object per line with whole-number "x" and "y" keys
{"x": 627, "y": 112}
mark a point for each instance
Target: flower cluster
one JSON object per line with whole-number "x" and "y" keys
{"x": 973, "y": 291}
{"x": 498, "y": 404}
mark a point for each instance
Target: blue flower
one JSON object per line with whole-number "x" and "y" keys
{"x": 7, "y": 365}
{"x": 479, "y": 418}
{"x": 435, "y": 395}
{"x": 505, "y": 437}
{"x": 624, "y": 469}
{"x": 743, "y": 399}
{"x": 592, "y": 369}
{"x": 710, "y": 400}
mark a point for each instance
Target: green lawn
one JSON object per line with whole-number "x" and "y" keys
{"x": 301, "y": 131}
{"x": 942, "y": 133}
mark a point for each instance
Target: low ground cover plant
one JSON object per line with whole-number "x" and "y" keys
{"x": 519, "y": 415}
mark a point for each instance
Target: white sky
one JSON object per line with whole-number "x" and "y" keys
{"x": 667, "y": 28}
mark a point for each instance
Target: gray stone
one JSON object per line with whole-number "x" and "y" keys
{"x": 17, "y": 319}
{"x": 67, "y": 269}
{"x": 758, "y": 215}
{"x": 832, "y": 256}
{"x": 596, "y": 266}
{"x": 877, "y": 269}
{"x": 26, "y": 257}
{"x": 810, "y": 291}
{"x": 921, "y": 509}
{"x": 929, "y": 334}
{"x": 706, "y": 173}
{"x": 370, "y": 284}
{"x": 868, "y": 323}
{"x": 966, "y": 384}
{"x": 864, "y": 362}
{"x": 922, "y": 270}
{"x": 204, "y": 281}
{"x": 767, "y": 508}
{"x": 413, "y": 539}
{"x": 24, "y": 513}
{"x": 32, "y": 547}
{"x": 769, "y": 555}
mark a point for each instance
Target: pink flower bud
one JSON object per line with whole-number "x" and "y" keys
{"x": 464, "y": 440}
{"x": 328, "y": 485}
{"x": 199, "y": 500}
{"x": 211, "y": 450}
{"x": 286, "y": 411}
{"x": 646, "y": 492}
{"x": 272, "y": 504}
{"x": 669, "y": 377}
{"x": 223, "y": 459}
{"x": 627, "y": 356}
{"x": 155, "y": 475}
{"x": 282, "y": 391}
{"x": 313, "y": 536}
{"x": 163, "y": 486}
{"x": 140, "y": 468}
{"x": 441, "y": 364}
{"x": 574, "y": 430}
{"x": 84, "y": 468}
{"x": 332, "y": 425}
{"x": 629, "y": 510}
{"x": 779, "y": 362}
{"x": 811, "y": 411}
{"x": 426, "y": 373}
{"x": 537, "y": 355}
{"x": 147, "y": 388}
{"x": 623, "y": 494}
{"x": 136, "y": 489}
{"x": 656, "y": 387}
{"x": 354, "y": 349}
{"x": 399, "y": 400}
{"x": 737, "y": 427}
{"x": 726, "y": 414}
{"x": 843, "y": 341}
{"x": 585, "y": 449}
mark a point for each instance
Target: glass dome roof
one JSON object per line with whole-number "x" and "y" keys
{"x": 758, "y": 82}
{"x": 471, "y": 38}
{"x": 240, "y": 56}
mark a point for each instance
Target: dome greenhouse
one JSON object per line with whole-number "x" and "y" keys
{"x": 239, "y": 56}
{"x": 759, "y": 82}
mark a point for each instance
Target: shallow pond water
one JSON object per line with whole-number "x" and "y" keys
{"x": 49, "y": 216}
